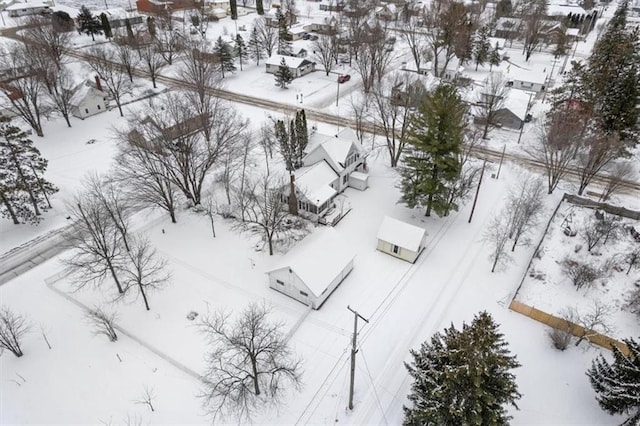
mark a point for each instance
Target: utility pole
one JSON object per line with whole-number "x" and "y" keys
{"x": 525, "y": 116}
{"x": 475, "y": 199}
{"x": 353, "y": 353}
{"x": 504, "y": 147}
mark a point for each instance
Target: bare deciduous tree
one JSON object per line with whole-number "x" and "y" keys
{"x": 617, "y": 174}
{"x": 267, "y": 35}
{"x": 249, "y": 365}
{"x": 581, "y": 274}
{"x": 525, "y": 206}
{"x": 102, "y": 322}
{"x": 147, "y": 397}
{"x": 13, "y": 328}
{"x": 42, "y": 35}
{"x": 263, "y": 210}
{"x": 373, "y": 56}
{"x": 534, "y": 15}
{"x": 597, "y": 151}
{"x": 559, "y": 139}
{"x": 168, "y": 43}
{"x": 415, "y": 37}
{"x": 153, "y": 61}
{"x": 497, "y": 236}
{"x": 144, "y": 271}
{"x": 491, "y": 99}
{"x": 104, "y": 62}
{"x": 96, "y": 241}
{"x": 62, "y": 93}
{"x": 632, "y": 258}
{"x": 23, "y": 92}
{"x": 360, "y": 107}
{"x": 600, "y": 229}
{"x": 325, "y": 52}
{"x": 128, "y": 59}
{"x": 593, "y": 322}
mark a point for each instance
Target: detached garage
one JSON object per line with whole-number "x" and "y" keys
{"x": 313, "y": 269}
{"x": 400, "y": 239}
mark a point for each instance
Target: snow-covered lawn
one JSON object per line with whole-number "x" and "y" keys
{"x": 549, "y": 289}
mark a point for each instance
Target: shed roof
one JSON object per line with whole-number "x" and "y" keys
{"x": 319, "y": 258}
{"x": 31, "y": 5}
{"x": 401, "y": 234}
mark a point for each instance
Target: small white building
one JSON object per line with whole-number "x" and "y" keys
{"x": 313, "y": 269}
{"x": 532, "y": 80}
{"x": 24, "y": 9}
{"x": 89, "y": 99}
{"x": 400, "y": 239}
{"x": 296, "y": 32}
{"x": 297, "y": 66}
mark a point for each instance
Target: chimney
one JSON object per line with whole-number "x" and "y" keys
{"x": 98, "y": 84}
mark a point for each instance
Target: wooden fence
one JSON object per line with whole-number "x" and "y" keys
{"x": 562, "y": 324}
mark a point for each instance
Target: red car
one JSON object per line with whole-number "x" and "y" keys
{"x": 344, "y": 78}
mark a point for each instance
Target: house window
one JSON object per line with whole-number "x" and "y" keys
{"x": 279, "y": 282}
{"x": 345, "y": 178}
{"x": 98, "y": 107}
{"x": 395, "y": 249}
{"x": 86, "y": 111}
{"x": 303, "y": 293}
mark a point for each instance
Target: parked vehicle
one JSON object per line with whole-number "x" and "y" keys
{"x": 344, "y": 78}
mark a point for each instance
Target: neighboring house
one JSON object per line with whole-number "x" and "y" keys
{"x": 89, "y": 99}
{"x": 313, "y": 269}
{"x": 300, "y": 53}
{"x": 271, "y": 18}
{"x": 118, "y": 17}
{"x": 297, "y": 66}
{"x": 24, "y": 9}
{"x": 332, "y": 164}
{"x": 400, "y": 239}
{"x": 508, "y": 28}
{"x": 216, "y": 9}
{"x": 322, "y": 24}
{"x": 447, "y": 71}
{"x": 529, "y": 80}
{"x": 331, "y": 5}
{"x": 410, "y": 93}
{"x": 387, "y": 12}
{"x": 296, "y": 32}
{"x": 161, "y": 7}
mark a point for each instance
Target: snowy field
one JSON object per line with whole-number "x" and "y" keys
{"x": 547, "y": 288}
{"x": 84, "y": 379}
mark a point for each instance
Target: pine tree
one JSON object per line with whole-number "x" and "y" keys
{"x": 494, "y": 57}
{"x": 233, "y": 6}
{"x": 463, "y": 377}
{"x": 225, "y": 56}
{"x": 617, "y": 385}
{"x": 293, "y": 143}
{"x": 431, "y": 163}
{"x": 284, "y": 37}
{"x": 259, "y": 7}
{"x": 106, "y": 25}
{"x": 481, "y": 48}
{"x": 241, "y": 50}
{"x": 255, "y": 47}
{"x": 612, "y": 79}
{"x": 88, "y": 24}
{"x": 151, "y": 26}
{"x": 283, "y": 75}
{"x": 24, "y": 193}
{"x": 286, "y": 149}
{"x": 302, "y": 134}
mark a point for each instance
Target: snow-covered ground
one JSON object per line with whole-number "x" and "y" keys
{"x": 84, "y": 379}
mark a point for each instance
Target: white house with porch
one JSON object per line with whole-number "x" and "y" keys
{"x": 297, "y": 66}
{"x": 313, "y": 269}
{"x": 89, "y": 99}
{"x": 331, "y": 164}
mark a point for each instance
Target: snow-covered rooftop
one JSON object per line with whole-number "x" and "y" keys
{"x": 315, "y": 182}
{"x": 290, "y": 61}
{"x": 30, "y": 5}
{"x": 516, "y": 101}
{"x": 400, "y": 233}
{"x": 565, "y": 9}
{"x": 319, "y": 258}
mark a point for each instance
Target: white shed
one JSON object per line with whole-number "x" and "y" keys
{"x": 313, "y": 269}
{"x": 400, "y": 239}
{"x": 89, "y": 99}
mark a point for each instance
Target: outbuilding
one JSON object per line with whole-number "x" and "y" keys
{"x": 313, "y": 269}
{"x": 401, "y": 239}
{"x": 89, "y": 98}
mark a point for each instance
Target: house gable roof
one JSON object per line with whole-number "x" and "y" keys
{"x": 334, "y": 149}
{"x": 401, "y": 233}
{"x": 315, "y": 182}
{"x": 318, "y": 259}
{"x": 83, "y": 90}
{"x": 290, "y": 61}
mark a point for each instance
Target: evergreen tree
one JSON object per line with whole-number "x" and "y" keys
{"x": 504, "y": 8}
{"x": 233, "y": 6}
{"x": 617, "y": 385}
{"x": 613, "y": 77}
{"x": 259, "y": 7}
{"x": 241, "y": 50}
{"x": 255, "y": 46}
{"x": 24, "y": 193}
{"x": 494, "y": 57}
{"x": 287, "y": 150}
{"x": 431, "y": 163}
{"x": 463, "y": 377}
{"x": 151, "y": 26}
{"x": 225, "y": 56}
{"x": 106, "y": 25}
{"x": 88, "y": 24}
{"x": 61, "y": 21}
{"x": 284, "y": 37}
{"x": 481, "y": 48}
{"x": 302, "y": 134}
{"x": 283, "y": 75}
